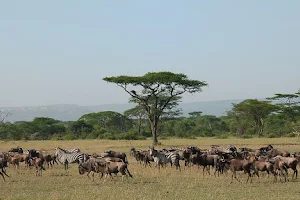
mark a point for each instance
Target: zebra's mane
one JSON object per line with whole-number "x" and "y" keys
{"x": 58, "y": 148}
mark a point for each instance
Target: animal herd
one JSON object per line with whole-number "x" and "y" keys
{"x": 221, "y": 159}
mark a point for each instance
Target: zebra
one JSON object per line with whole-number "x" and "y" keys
{"x": 159, "y": 158}
{"x": 173, "y": 158}
{"x": 227, "y": 149}
{"x": 74, "y": 150}
{"x": 65, "y": 158}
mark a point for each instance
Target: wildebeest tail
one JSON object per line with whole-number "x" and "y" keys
{"x": 125, "y": 159}
{"x": 129, "y": 172}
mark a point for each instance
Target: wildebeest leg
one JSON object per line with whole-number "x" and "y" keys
{"x": 208, "y": 169}
{"x": 4, "y": 171}
{"x": 249, "y": 176}
{"x": 284, "y": 174}
{"x": 101, "y": 174}
{"x": 88, "y": 175}
{"x": 275, "y": 178}
{"x": 256, "y": 172}
{"x": 2, "y": 175}
{"x": 234, "y": 175}
{"x": 41, "y": 170}
{"x": 93, "y": 174}
{"x": 268, "y": 173}
{"x": 105, "y": 177}
{"x": 36, "y": 171}
{"x": 216, "y": 172}
{"x": 295, "y": 172}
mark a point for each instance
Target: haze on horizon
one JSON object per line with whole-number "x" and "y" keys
{"x": 57, "y": 52}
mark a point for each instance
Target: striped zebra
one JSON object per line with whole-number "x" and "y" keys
{"x": 74, "y": 150}
{"x": 173, "y": 158}
{"x": 159, "y": 158}
{"x": 65, "y": 158}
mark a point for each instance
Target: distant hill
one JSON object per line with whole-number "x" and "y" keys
{"x": 70, "y": 112}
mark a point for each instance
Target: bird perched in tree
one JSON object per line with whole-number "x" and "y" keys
{"x": 133, "y": 92}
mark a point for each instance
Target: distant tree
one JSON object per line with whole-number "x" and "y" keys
{"x": 195, "y": 114}
{"x": 45, "y": 127}
{"x": 79, "y": 128}
{"x": 139, "y": 114}
{"x": 254, "y": 112}
{"x": 108, "y": 120}
{"x": 157, "y": 91}
{"x": 3, "y": 116}
{"x": 289, "y": 104}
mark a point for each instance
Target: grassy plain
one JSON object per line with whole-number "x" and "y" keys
{"x": 148, "y": 183}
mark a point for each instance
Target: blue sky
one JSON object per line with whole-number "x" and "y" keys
{"x": 54, "y": 52}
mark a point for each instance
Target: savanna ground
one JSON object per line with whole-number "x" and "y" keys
{"x": 148, "y": 183}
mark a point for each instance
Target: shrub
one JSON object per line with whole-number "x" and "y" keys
{"x": 69, "y": 136}
{"x": 222, "y": 136}
{"x": 291, "y": 135}
{"x": 130, "y": 136}
{"x": 272, "y": 135}
{"x": 246, "y": 136}
{"x": 107, "y": 136}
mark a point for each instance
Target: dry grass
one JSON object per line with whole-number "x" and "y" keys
{"x": 148, "y": 183}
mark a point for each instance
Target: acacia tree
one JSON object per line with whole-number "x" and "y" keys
{"x": 253, "y": 110}
{"x": 289, "y": 109}
{"x": 289, "y": 104}
{"x": 156, "y": 91}
{"x": 138, "y": 113}
{"x": 195, "y": 114}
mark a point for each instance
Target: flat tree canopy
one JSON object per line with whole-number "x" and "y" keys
{"x": 157, "y": 91}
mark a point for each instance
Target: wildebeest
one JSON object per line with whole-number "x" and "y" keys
{"x": 241, "y": 165}
{"x": 23, "y": 158}
{"x": 116, "y": 167}
{"x": 117, "y": 155}
{"x": 275, "y": 152}
{"x": 13, "y": 161}
{"x": 50, "y": 159}
{"x": 281, "y": 167}
{"x": 3, "y": 165}
{"x": 16, "y": 150}
{"x": 143, "y": 156}
{"x": 290, "y": 163}
{"x": 263, "y": 150}
{"x": 263, "y": 166}
{"x": 204, "y": 160}
{"x": 39, "y": 165}
{"x": 93, "y": 165}
{"x": 104, "y": 167}
{"x": 33, "y": 153}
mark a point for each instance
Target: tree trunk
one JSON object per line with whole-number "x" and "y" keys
{"x": 154, "y": 131}
{"x": 139, "y": 126}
